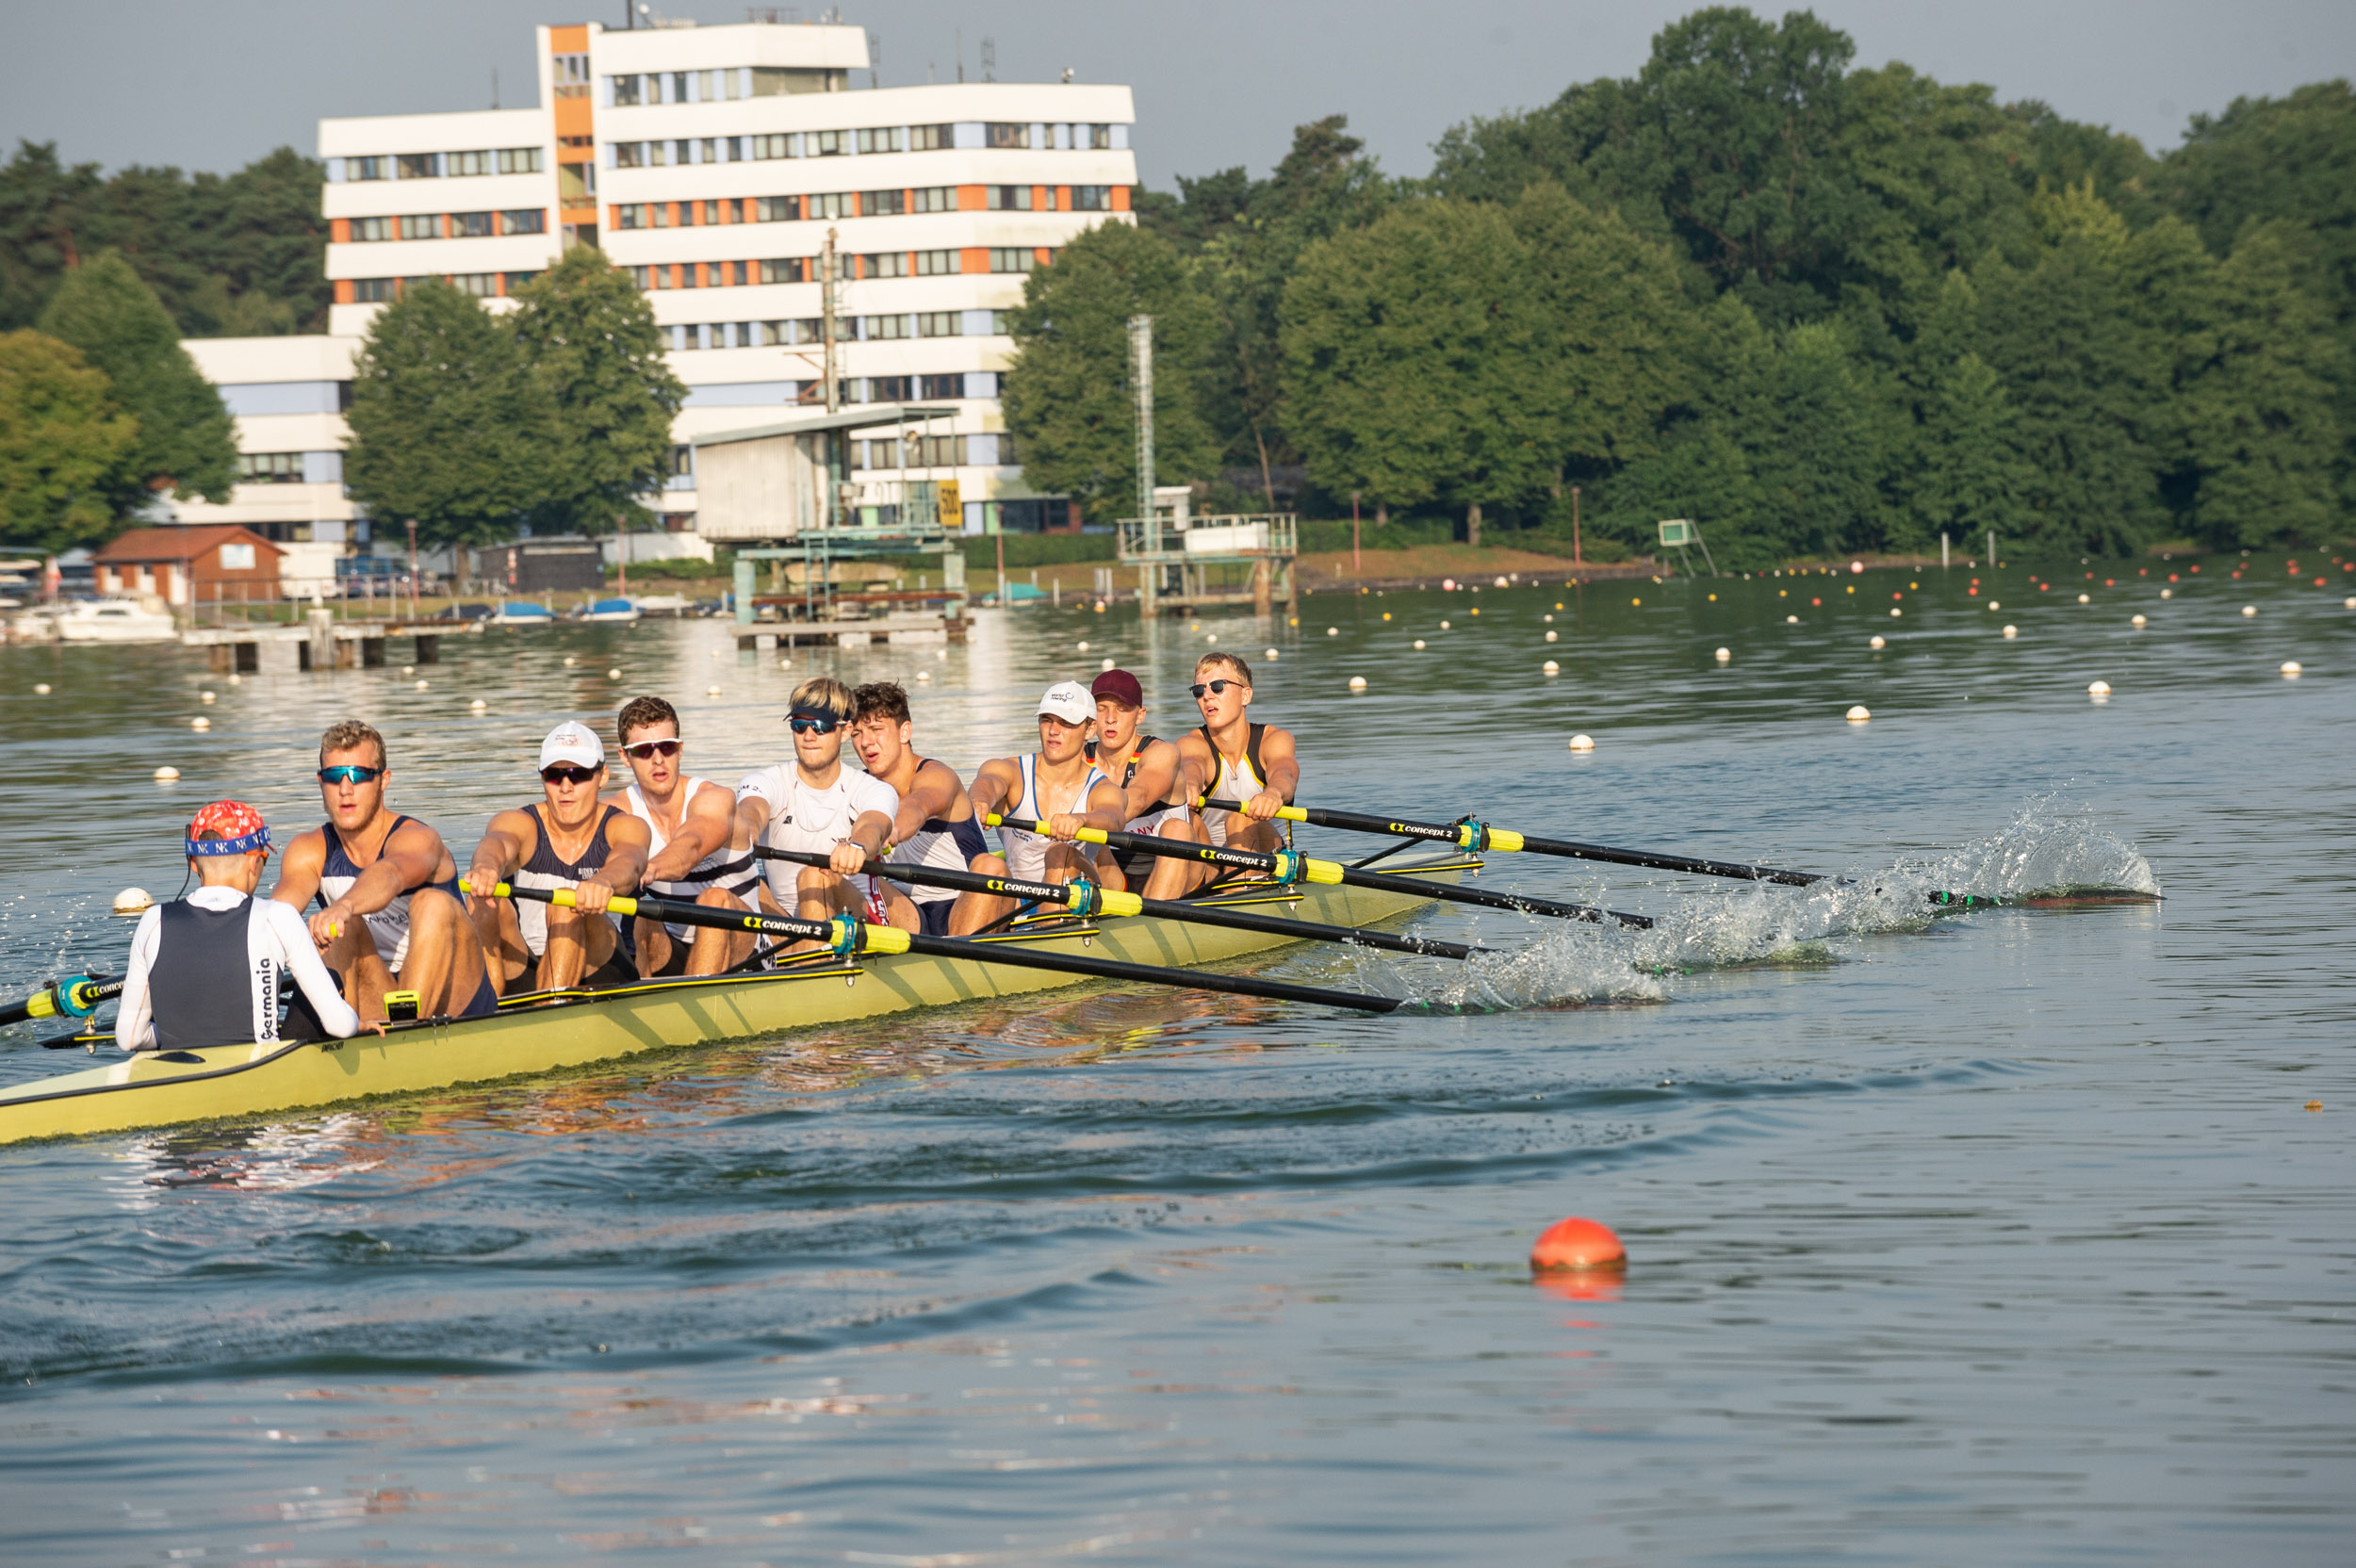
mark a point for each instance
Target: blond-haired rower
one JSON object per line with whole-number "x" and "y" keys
{"x": 816, "y": 805}
{"x": 1252, "y": 763}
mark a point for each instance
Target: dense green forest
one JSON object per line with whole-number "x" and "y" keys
{"x": 1814, "y": 307}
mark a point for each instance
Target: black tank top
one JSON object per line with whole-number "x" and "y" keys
{"x": 197, "y": 985}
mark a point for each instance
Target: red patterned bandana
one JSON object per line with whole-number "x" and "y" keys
{"x": 240, "y": 824}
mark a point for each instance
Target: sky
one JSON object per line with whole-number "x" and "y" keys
{"x": 1218, "y": 82}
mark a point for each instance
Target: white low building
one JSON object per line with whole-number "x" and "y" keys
{"x": 287, "y": 396}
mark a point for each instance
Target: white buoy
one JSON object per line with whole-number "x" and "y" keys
{"x": 613, "y": 675}
{"x": 1357, "y": 683}
{"x": 200, "y": 721}
{"x": 1270, "y": 654}
{"x": 201, "y": 696}
{"x": 2291, "y": 669}
{"x": 1895, "y": 612}
{"x": 785, "y": 663}
{"x": 1552, "y": 635}
{"x": 42, "y": 689}
{"x": 1583, "y": 742}
{"x": 2137, "y": 621}
{"x": 167, "y": 774}
{"x": 423, "y": 684}
{"x": 1333, "y": 631}
{"x": 1857, "y": 567}
{"x": 133, "y": 900}
{"x": 237, "y": 680}
{"x": 2011, "y": 631}
{"x": 1084, "y": 647}
{"x": 569, "y": 661}
{"x": 1724, "y": 654}
{"x": 1212, "y": 638}
{"x": 2099, "y": 689}
{"x": 1500, "y": 583}
{"x": 2086, "y": 598}
{"x": 1443, "y": 625}
{"x": 1550, "y": 620}
{"x": 2344, "y": 604}
{"x": 1100, "y": 607}
{"x": 478, "y": 705}
{"x": 712, "y": 690}
{"x": 405, "y": 669}
{"x": 1993, "y": 605}
{"x": 1418, "y": 645}
{"x": 924, "y": 675}
{"x": 2170, "y": 593}
{"x": 2250, "y": 610}
{"x": 1876, "y": 643}
{"x": 1792, "y": 620}
{"x": 1550, "y": 667}
{"x": 1859, "y": 715}
{"x": 1105, "y": 666}
{"x": 1448, "y": 585}
{"x": 942, "y": 655}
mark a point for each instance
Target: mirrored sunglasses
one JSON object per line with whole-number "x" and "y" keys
{"x": 348, "y": 772}
{"x": 652, "y": 748}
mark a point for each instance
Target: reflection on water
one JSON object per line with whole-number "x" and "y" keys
{"x": 1995, "y": 1237}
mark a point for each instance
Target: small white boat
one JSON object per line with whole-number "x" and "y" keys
{"x": 664, "y": 604}
{"x": 113, "y": 621}
{"x": 611, "y": 610}
{"x": 520, "y": 614}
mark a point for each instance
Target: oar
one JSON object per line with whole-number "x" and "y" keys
{"x": 1286, "y": 866}
{"x": 1087, "y": 899}
{"x": 72, "y": 997}
{"x": 851, "y": 938}
{"x": 1479, "y": 835}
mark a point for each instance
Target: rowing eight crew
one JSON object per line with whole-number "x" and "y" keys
{"x": 394, "y": 925}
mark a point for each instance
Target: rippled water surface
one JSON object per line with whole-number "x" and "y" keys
{"x": 1994, "y": 1239}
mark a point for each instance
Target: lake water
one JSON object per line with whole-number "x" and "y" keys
{"x": 2002, "y": 1239}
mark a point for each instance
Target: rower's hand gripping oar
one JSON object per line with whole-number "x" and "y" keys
{"x": 75, "y": 996}
{"x": 1087, "y": 900}
{"x": 850, "y": 938}
{"x": 1286, "y": 866}
{"x": 1480, "y": 836}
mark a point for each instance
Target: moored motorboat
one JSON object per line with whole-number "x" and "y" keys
{"x": 622, "y": 610}
{"x": 519, "y": 612}
{"x": 112, "y": 621}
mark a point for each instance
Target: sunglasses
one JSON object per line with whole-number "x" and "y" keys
{"x": 348, "y": 772}
{"x": 652, "y": 748}
{"x": 564, "y": 773}
{"x": 1200, "y": 687}
{"x": 814, "y": 724}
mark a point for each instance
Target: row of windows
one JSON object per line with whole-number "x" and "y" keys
{"x": 921, "y": 451}
{"x": 448, "y": 226}
{"x": 681, "y": 150}
{"x": 855, "y": 203}
{"x": 437, "y": 166}
{"x": 269, "y": 467}
{"x": 483, "y": 286}
{"x": 862, "y": 268}
{"x": 803, "y": 330}
{"x": 716, "y": 87}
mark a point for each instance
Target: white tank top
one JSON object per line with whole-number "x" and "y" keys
{"x": 1026, "y": 853}
{"x": 722, "y": 869}
{"x": 1237, "y": 780}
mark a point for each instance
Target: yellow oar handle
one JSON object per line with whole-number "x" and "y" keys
{"x": 1288, "y": 813}
{"x": 620, "y": 903}
{"x": 1500, "y": 838}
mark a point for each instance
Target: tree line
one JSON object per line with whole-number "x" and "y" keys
{"x": 1813, "y": 306}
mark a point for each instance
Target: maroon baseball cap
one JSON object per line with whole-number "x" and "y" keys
{"x": 1121, "y": 686}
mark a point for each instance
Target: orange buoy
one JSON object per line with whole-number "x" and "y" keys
{"x": 1577, "y": 1243}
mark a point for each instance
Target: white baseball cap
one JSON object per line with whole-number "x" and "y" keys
{"x": 1068, "y": 701}
{"x": 573, "y": 741}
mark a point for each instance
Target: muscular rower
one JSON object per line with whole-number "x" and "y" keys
{"x": 568, "y": 839}
{"x": 935, "y": 825}
{"x": 1252, "y": 763}
{"x": 205, "y": 968}
{"x": 1156, "y": 779}
{"x": 391, "y": 915}
{"x": 688, "y": 822}
{"x": 1056, "y": 786}
{"x": 816, "y": 805}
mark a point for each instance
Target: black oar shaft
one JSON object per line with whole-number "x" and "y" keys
{"x": 1071, "y": 896}
{"x": 71, "y": 997}
{"x": 864, "y": 940}
{"x": 1477, "y": 837}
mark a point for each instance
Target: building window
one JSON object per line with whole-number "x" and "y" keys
{"x": 1002, "y": 323}
{"x": 769, "y": 146}
{"x": 786, "y": 269}
{"x": 833, "y": 203}
{"x": 367, "y": 229}
{"x": 462, "y": 164}
{"x": 524, "y": 220}
{"x": 519, "y": 160}
{"x": 884, "y": 264}
{"x": 369, "y": 168}
{"x": 643, "y": 277}
{"x": 483, "y": 286}
{"x": 825, "y": 144}
{"x": 884, "y": 139}
{"x": 631, "y": 215}
{"x": 774, "y": 81}
{"x": 419, "y": 166}
{"x": 1091, "y": 198}
{"x": 1010, "y": 198}
{"x": 422, "y": 225}
{"x": 471, "y": 225}
{"x": 572, "y": 76}
{"x": 629, "y": 154}
{"x": 776, "y": 209}
{"x": 624, "y": 91}
{"x": 940, "y": 324}
{"x": 935, "y": 198}
{"x": 929, "y": 139}
{"x": 1012, "y": 259}
{"x": 931, "y": 264}
{"x": 1096, "y": 139}
{"x": 876, "y": 329}
{"x": 371, "y": 291}
{"x": 269, "y": 467}
{"x": 935, "y": 388}
{"x": 882, "y": 203}
{"x": 999, "y": 134}
{"x": 517, "y": 279}
{"x": 887, "y": 389}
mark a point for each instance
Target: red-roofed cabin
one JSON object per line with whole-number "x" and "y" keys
{"x": 190, "y": 565}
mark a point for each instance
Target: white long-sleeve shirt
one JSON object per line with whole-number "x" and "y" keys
{"x": 276, "y": 943}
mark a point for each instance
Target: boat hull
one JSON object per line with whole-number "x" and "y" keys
{"x": 531, "y": 1037}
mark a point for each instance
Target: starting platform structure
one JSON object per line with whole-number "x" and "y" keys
{"x": 1183, "y": 560}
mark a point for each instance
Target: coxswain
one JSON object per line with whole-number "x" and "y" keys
{"x": 1252, "y": 763}
{"x": 391, "y": 915}
{"x": 205, "y": 968}
{"x": 688, "y": 823}
{"x": 568, "y": 839}
{"x": 815, "y": 804}
{"x": 1056, "y": 786}
{"x": 1160, "y": 783}
{"x": 935, "y": 825}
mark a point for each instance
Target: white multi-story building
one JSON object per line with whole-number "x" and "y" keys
{"x": 716, "y": 164}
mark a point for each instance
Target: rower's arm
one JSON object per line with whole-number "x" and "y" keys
{"x": 872, "y": 832}
{"x": 1108, "y": 806}
{"x": 1158, "y": 772}
{"x": 1284, "y": 768}
{"x": 135, "y": 1019}
{"x": 317, "y": 985}
{"x": 927, "y": 797}
{"x": 750, "y": 821}
{"x": 500, "y": 853}
{"x": 1197, "y": 770}
{"x": 409, "y": 860}
{"x": 627, "y": 844}
{"x": 708, "y": 825}
{"x": 298, "y": 870}
{"x": 993, "y": 788}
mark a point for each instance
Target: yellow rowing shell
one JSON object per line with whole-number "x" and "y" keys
{"x": 546, "y": 1031}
